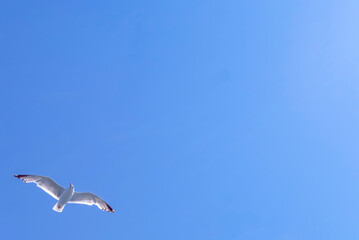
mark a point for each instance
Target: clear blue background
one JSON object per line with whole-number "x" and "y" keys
{"x": 192, "y": 119}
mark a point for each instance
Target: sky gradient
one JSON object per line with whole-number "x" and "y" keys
{"x": 213, "y": 120}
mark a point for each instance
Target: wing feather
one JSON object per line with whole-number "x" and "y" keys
{"x": 45, "y": 183}
{"x": 90, "y": 199}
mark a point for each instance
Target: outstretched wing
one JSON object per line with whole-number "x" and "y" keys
{"x": 45, "y": 183}
{"x": 90, "y": 199}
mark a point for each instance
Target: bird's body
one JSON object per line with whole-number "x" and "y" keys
{"x": 65, "y": 196}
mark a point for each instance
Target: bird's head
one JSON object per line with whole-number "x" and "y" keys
{"x": 72, "y": 186}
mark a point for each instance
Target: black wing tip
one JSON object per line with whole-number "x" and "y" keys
{"x": 19, "y": 176}
{"x": 110, "y": 209}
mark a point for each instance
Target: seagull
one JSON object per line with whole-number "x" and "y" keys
{"x": 63, "y": 195}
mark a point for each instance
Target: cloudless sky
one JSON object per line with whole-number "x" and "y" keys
{"x": 193, "y": 119}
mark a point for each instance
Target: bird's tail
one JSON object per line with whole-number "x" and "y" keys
{"x": 58, "y": 207}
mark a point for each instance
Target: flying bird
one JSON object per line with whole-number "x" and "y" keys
{"x": 63, "y": 195}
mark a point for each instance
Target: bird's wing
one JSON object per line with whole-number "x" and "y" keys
{"x": 45, "y": 183}
{"x": 90, "y": 199}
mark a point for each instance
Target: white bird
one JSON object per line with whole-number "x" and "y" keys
{"x": 67, "y": 195}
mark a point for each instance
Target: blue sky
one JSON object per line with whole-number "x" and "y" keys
{"x": 192, "y": 119}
